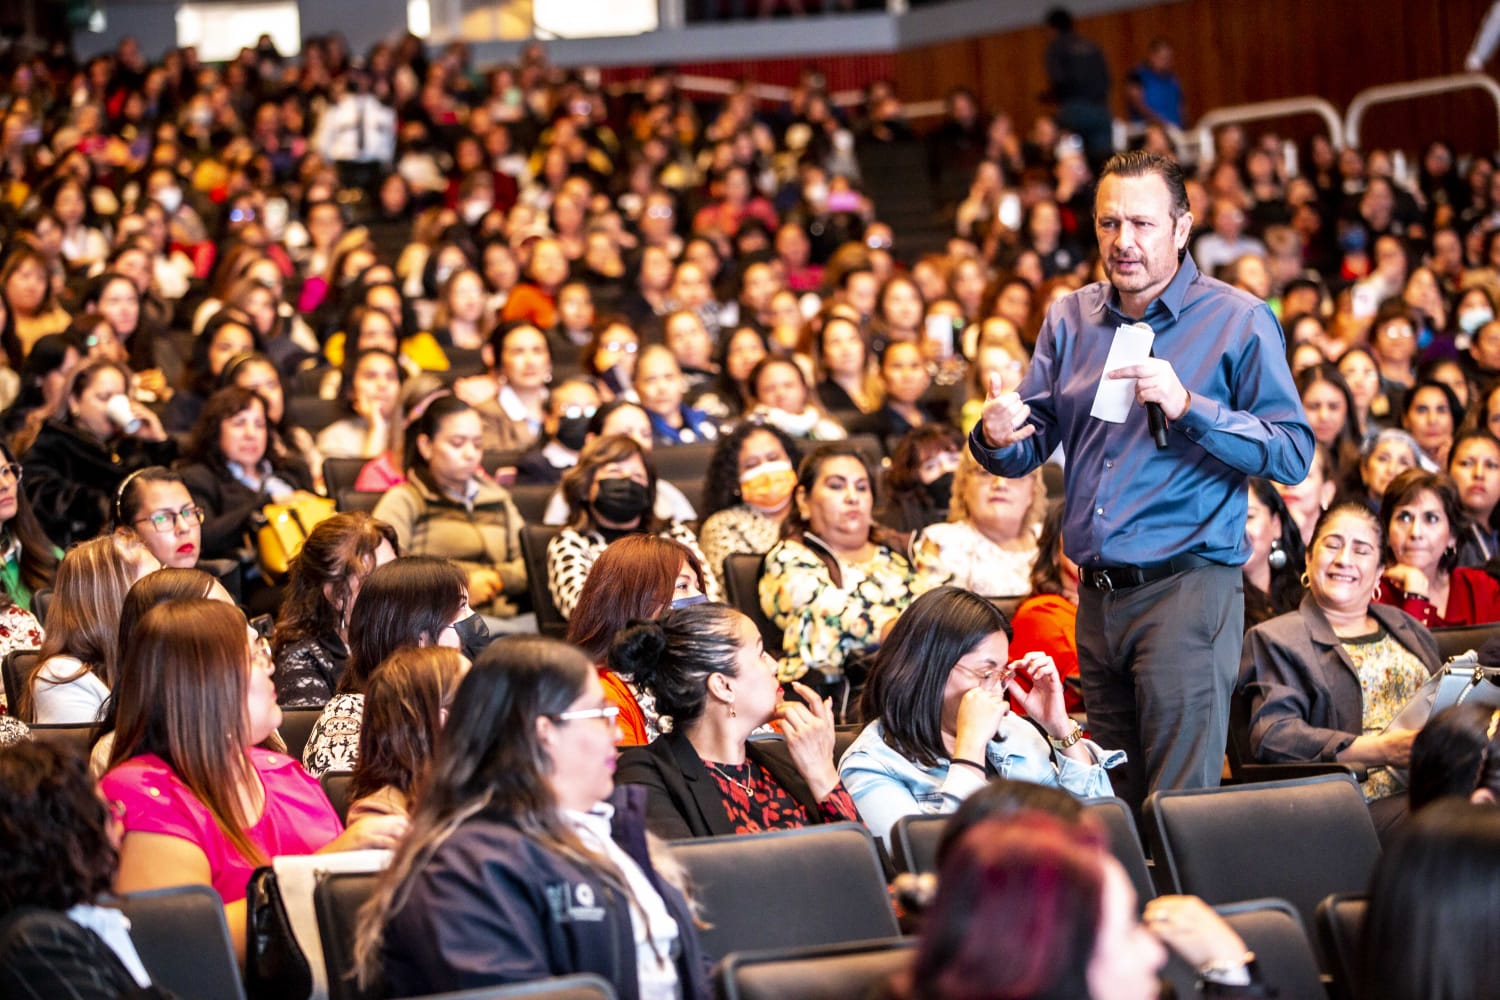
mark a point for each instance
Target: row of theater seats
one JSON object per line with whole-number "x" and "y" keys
{"x": 1277, "y": 859}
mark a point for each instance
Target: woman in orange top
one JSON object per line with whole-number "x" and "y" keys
{"x": 1045, "y": 621}
{"x": 636, "y": 577}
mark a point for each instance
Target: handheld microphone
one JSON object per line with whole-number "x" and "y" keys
{"x": 1156, "y": 420}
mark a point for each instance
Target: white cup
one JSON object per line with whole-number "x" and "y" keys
{"x": 122, "y": 414}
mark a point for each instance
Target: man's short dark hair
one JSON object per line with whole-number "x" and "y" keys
{"x": 1140, "y": 163}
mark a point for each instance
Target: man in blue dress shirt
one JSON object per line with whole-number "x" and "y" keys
{"x": 1159, "y": 532}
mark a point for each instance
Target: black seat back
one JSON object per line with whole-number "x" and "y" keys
{"x": 336, "y": 786}
{"x": 336, "y": 901}
{"x": 1124, "y": 843}
{"x": 14, "y": 670}
{"x": 183, "y": 940}
{"x": 296, "y": 727}
{"x": 1458, "y": 640}
{"x": 822, "y": 973}
{"x": 531, "y": 499}
{"x": 836, "y": 869}
{"x": 75, "y": 739}
{"x": 534, "y": 541}
{"x": 339, "y": 474}
{"x": 1296, "y": 840}
{"x": 742, "y": 588}
{"x": 1341, "y": 920}
{"x": 914, "y": 843}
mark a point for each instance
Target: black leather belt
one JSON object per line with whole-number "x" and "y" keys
{"x": 1110, "y": 578}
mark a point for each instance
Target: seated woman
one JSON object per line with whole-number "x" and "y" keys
{"x": 1306, "y": 501}
{"x": 1273, "y": 584}
{"x": 519, "y": 799}
{"x": 222, "y": 807}
{"x": 635, "y": 578}
{"x": 747, "y": 492}
{"x": 1006, "y": 361}
{"x": 79, "y": 660}
{"x": 412, "y": 601}
{"x": 1385, "y": 456}
{"x": 45, "y": 376}
{"x": 611, "y": 493}
{"x": 1046, "y": 622}
{"x": 74, "y": 468}
{"x": 829, "y": 585}
{"x": 310, "y": 643}
{"x": 659, "y": 382}
{"x": 456, "y": 341}
{"x": 56, "y": 940}
{"x": 448, "y": 509}
{"x": 989, "y": 542}
{"x": 1422, "y": 518}
{"x": 708, "y": 673}
{"x": 257, "y": 373}
{"x": 848, "y": 383}
{"x": 940, "y": 723}
{"x": 228, "y": 335}
{"x": 371, "y": 389}
{"x": 1306, "y": 673}
{"x": 1474, "y": 464}
{"x": 406, "y": 703}
{"x": 522, "y": 368}
{"x": 234, "y": 469}
{"x": 155, "y": 509}
{"x": 28, "y": 559}
{"x": 1454, "y": 756}
{"x": 1329, "y": 406}
{"x": 621, "y": 416}
{"x": 903, "y": 372}
{"x": 1433, "y": 890}
{"x": 736, "y": 359}
{"x": 1032, "y": 905}
{"x": 919, "y": 480}
{"x": 780, "y": 397}
{"x": 1431, "y": 413}
{"x": 570, "y": 407}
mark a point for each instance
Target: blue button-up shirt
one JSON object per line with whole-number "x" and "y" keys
{"x": 1127, "y": 502}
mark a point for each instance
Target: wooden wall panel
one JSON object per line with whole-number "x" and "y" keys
{"x": 1240, "y": 51}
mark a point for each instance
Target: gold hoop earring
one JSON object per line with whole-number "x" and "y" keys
{"x": 1306, "y": 580}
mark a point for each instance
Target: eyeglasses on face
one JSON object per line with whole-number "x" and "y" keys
{"x": 164, "y": 521}
{"x": 608, "y": 713}
{"x": 12, "y": 471}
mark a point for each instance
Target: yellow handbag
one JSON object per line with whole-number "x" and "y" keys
{"x": 288, "y": 523}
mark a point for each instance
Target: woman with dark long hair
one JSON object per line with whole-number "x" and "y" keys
{"x": 520, "y": 798}
{"x": 413, "y": 601}
{"x": 1273, "y": 584}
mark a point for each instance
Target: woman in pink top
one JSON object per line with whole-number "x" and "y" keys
{"x": 201, "y": 803}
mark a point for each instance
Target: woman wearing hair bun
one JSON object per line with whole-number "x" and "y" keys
{"x": 711, "y": 676}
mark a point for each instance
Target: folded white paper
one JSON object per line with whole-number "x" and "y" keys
{"x": 1116, "y": 396}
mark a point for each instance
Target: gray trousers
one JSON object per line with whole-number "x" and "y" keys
{"x": 1158, "y": 664}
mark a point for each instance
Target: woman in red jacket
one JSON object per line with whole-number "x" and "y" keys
{"x": 1423, "y": 520}
{"x": 1045, "y": 621}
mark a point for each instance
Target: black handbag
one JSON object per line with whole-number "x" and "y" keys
{"x": 275, "y": 968}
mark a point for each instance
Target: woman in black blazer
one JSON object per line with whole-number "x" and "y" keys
{"x": 705, "y": 666}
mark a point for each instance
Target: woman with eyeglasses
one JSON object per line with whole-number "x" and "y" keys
{"x": 1324, "y": 682}
{"x": 200, "y": 802}
{"x": 155, "y": 509}
{"x": 412, "y": 601}
{"x": 79, "y": 660}
{"x": 708, "y": 673}
{"x": 940, "y": 720}
{"x": 523, "y": 860}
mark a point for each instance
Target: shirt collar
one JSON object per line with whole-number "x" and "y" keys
{"x": 597, "y": 820}
{"x": 1171, "y": 298}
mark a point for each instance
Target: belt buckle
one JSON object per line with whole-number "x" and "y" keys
{"x": 1103, "y": 582}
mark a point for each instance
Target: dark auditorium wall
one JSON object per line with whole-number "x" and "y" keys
{"x": 1240, "y": 51}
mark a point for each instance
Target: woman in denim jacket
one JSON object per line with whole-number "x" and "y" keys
{"x": 941, "y": 722}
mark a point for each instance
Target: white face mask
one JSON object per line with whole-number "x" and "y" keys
{"x": 1470, "y": 320}
{"x": 170, "y": 198}
{"x": 475, "y": 210}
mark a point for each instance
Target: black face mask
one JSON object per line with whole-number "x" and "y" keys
{"x": 940, "y": 491}
{"x": 473, "y": 635}
{"x": 620, "y": 500}
{"x": 571, "y": 432}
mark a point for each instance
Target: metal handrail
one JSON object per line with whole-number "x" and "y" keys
{"x": 1390, "y": 92}
{"x": 1269, "y": 109}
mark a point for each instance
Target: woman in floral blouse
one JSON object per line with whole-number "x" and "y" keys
{"x": 830, "y": 584}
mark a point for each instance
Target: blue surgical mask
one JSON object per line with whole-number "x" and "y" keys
{"x": 1470, "y": 320}
{"x": 689, "y": 601}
